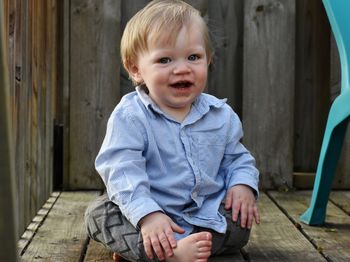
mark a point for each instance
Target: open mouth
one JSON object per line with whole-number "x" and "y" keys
{"x": 182, "y": 84}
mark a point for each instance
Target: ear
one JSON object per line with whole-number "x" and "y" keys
{"x": 134, "y": 72}
{"x": 209, "y": 61}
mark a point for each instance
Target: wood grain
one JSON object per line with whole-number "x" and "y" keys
{"x": 312, "y": 88}
{"x": 332, "y": 239}
{"x": 277, "y": 239}
{"x": 62, "y": 237}
{"x": 94, "y": 84}
{"x": 7, "y": 177}
{"x": 268, "y": 88}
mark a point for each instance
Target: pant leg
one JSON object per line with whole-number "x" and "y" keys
{"x": 235, "y": 237}
{"x": 230, "y": 242}
{"x": 106, "y": 224}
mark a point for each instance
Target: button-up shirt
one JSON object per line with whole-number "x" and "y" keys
{"x": 150, "y": 162}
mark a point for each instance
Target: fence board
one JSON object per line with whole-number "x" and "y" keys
{"x": 94, "y": 83}
{"x": 312, "y": 83}
{"x": 268, "y": 92}
{"x": 225, "y": 77}
{"x": 7, "y": 179}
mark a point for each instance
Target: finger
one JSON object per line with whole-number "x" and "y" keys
{"x": 228, "y": 200}
{"x": 235, "y": 211}
{"x": 148, "y": 248}
{"x": 157, "y": 248}
{"x": 176, "y": 228}
{"x": 250, "y": 217}
{"x": 244, "y": 216}
{"x": 256, "y": 215}
{"x": 171, "y": 238}
{"x": 163, "y": 239}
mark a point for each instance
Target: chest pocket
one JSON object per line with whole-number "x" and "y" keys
{"x": 209, "y": 150}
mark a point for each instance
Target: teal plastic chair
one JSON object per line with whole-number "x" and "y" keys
{"x": 338, "y": 12}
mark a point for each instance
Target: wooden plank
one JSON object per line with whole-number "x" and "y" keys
{"x": 7, "y": 177}
{"x": 303, "y": 180}
{"x": 312, "y": 83}
{"x": 342, "y": 200}
{"x": 94, "y": 84}
{"x": 268, "y": 91}
{"x": 62, "y": 237}
{"x": 276, "y": 238}
{"x": 19, "y": 108}
{"x": 37, "y": 221}
{"x": 332, "y": 239}
{"x": 225, "y": 77}
{"x": 65, "y": 67}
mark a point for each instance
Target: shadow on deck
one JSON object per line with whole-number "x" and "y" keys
{"x": 57, "y": 233}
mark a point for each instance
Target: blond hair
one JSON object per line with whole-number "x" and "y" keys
{"x": 160, "y": 20}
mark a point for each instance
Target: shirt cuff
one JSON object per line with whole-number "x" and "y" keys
{"x": 139, "y": 208}
{"x": 247, "y": 179}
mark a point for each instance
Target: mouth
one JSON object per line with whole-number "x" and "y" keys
{"x": 182, "y": 84}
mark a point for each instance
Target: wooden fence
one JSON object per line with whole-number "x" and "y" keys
{"x": 33, "y": 48}
{"x": 275, "y": 61}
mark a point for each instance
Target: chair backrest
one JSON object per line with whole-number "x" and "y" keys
{"x": 338, "y": 12}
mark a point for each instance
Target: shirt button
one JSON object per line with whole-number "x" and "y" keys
{"x": 194, "y": 194}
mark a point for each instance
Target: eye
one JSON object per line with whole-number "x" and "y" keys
{"x": 193, "y": 57}
{"x": 164, "y": 60}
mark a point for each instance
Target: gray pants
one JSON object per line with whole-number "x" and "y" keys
{"x": 106, "y": 224}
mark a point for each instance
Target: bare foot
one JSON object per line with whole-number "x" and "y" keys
{"x": 116, "y": 257}
{"x": 193, "y": 248}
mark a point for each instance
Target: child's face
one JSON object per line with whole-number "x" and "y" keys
{"x": 175, "y": 74}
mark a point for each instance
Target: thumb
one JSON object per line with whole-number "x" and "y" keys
{"x": 176, "y": 228}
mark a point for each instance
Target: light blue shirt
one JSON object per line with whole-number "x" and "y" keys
{"x": 150, "y": 162}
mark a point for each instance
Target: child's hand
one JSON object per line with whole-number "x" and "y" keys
{"x": 157, "y": 230}
{"x": 242, "y": 200}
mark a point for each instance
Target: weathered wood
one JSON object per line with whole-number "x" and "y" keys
{"x": 342, "y": 200}
{"x": 32, "y": 37}
{"x": 276, "y": 238}
{"x": 268, "y": 91}
{"x": 94, "y": 83}
{"x": 303, "y": 180}
{"x": 332, "y": 239}
{"x": 7, "y": 175}
{"x": 37, "y": 221}
{"x": 312, "y": 83}
{"x": 62, "y": 236}
{"x": 225, "y": 77}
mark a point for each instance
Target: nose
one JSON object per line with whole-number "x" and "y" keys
{"x": 181, "y": 67}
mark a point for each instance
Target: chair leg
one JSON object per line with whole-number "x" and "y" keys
{"x": 331, "y": 148}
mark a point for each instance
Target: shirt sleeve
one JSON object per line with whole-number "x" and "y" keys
{"x": 122, "y": 167}
{"x": 238, "y": 164}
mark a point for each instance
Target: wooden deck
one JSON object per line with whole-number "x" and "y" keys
{"x": 57, "y": 233}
